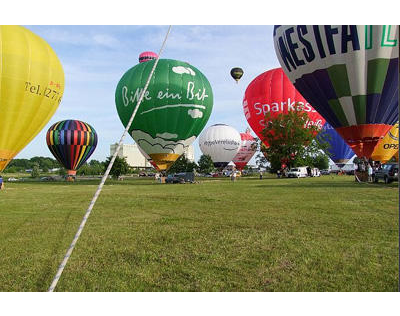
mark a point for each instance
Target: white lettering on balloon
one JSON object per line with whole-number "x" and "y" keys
{"x": 191, "y": 94}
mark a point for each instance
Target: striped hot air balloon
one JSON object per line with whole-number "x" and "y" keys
{"x": 349, "y": 74}
{"x": 71, "y": 142}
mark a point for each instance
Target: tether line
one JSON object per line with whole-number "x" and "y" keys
{"x": 104, "y": 178}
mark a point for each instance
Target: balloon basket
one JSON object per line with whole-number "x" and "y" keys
{"x": 71, "y": 175}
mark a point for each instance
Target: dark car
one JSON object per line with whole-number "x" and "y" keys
{"x": 182, "y": 177}
{"x": 388, "y": 173}
{"x": 171, "y": 178}
{"x": 142, "y": 174}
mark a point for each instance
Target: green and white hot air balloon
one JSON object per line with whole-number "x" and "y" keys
{"x": 174, "y": 110}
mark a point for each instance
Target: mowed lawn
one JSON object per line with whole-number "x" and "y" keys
{"x": 315, "y": 234}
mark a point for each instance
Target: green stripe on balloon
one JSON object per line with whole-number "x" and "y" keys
{"x": 338, "y": 110}
{"x": 360, "y": 108}
{"x": 339, "y": 79}
{"x": 377, "y": 69}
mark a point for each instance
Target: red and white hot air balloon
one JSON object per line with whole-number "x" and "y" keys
{"x": 273, "y": 92}
{"x": 246, "y": 151}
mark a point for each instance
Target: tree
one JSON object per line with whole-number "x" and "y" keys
{"x": 119, "y": 167}
{"x": 35, "y": 170}
{"x": 290, "y": 143}
{"x": 205, "y": 164}
{"x": 182, "y": 164}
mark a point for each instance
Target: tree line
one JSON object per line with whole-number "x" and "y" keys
{"x": 289, "y": 145}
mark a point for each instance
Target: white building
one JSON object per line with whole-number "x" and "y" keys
{"x": 134, "y": 157}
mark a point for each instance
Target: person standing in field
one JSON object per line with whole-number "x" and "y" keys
{"x": 233, "y": 176}
{"x": 1, "y": 182}
{"x": 261, "y": 175}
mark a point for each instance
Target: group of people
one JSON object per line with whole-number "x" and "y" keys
{"x": 367, "y": 168}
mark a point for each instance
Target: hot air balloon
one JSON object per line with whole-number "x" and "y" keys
{"x": 71, "y": 142}
{"x": 246, "y": 151}
{"x": 32, "y": 85}
{"x": 148, "y": 158}
{"x": 272, "y": 92}
{"x": 146, "y": 56}
{"x": 221, "y": 142}
{"x": 388, "y": 146}
{"x": 237, "y": 73}
{"x": 175, "y": 108}
{"x": 348, "y": 73}
{"x": 338, "y": 150}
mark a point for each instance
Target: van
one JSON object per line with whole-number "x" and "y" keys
{"x": 298, "y": 172}
{"x": 315, "y": 172}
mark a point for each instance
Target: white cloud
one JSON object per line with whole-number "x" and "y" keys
{"x": 106, "y": 40}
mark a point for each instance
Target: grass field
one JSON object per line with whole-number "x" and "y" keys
{"x": 314, "y": 234}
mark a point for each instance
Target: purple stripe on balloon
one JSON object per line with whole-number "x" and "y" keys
{"x": 389, "y": 103}
{"x": 317, "y": 89}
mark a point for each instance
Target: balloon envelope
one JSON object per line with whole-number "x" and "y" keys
{"x": 349, "y": 74}
{"x": 246, "y": 151}
{"x": 272, "y": 92}
{"x": 388, "y": 146}
{"x": 32, "y": 85}
{"x": 221, "y": 142}
{"x": 146, "y": 56}
{"x": 236, "y": 73}
{"x": 71, "y": 142}
{"x": 338, "y": 150}
{"x": 175, "y": 108}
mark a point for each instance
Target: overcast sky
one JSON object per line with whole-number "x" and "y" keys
{"x": 95, "y": 57}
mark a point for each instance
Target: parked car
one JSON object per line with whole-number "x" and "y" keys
{"x": 299, "y": 172}
{"x": 388, "y": 173}
{"x": 142, "y": 174}
{"x": 182, "y": 177}
{"x": 325, "y": 172}
{"x": 47, "y": 179}
{"x": 12, "y": 179}
{"x": 171, "y": 178}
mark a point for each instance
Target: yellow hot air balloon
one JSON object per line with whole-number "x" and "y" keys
{"x": 388, "y": 146}
{"x": 32, "y": 85}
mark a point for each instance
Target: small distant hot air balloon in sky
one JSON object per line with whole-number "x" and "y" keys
{"x": 272, "y": 92}
{"x": 175, "y": 108}
{"x": 237, "y": 73}
{"x": 247, "y": 150}
{"x": 221, "y": 142}
{"x": 146, "y": 56}
{"x": 32, "y": 85}
{"x": 348, "y": 73}
{"x": 71, "y": 142}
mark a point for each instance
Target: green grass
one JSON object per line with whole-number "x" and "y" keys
{"x": 314, "y": 234}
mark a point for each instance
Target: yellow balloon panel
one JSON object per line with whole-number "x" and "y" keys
{"x": 388, "y": 146}
{"x": 32, "y": 85}
{"x": 164, "y": 161}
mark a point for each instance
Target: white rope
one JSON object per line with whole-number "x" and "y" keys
{"x": 104, "y": 178}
